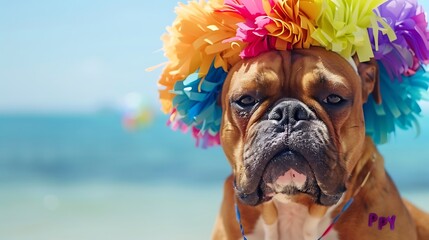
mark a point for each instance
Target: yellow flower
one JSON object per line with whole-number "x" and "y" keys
{"x": 343, "y": 27}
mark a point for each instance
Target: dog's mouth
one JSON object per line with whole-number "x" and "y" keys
{"x": 287, "y": 174}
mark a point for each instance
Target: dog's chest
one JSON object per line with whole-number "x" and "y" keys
{"x": 294, "y": 222}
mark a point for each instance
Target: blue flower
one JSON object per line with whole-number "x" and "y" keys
{"x": 196, "y": 100}
{"x": 400, "y": 104}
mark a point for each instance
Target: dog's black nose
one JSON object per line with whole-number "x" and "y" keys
{"x": 290, "y": 111}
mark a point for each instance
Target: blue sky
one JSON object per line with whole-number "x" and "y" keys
{"x": 80, "y": 55}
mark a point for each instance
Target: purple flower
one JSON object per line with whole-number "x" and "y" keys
{"x": 408, "y": 21}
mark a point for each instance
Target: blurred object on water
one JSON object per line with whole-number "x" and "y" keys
{"x": 137, "y": 112}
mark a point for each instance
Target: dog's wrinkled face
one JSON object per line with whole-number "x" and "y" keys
{"x": 293, "y": 124}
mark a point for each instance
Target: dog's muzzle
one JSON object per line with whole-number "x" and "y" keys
{"x": 290, "y": 152}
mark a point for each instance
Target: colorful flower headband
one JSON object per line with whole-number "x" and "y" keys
{"x": 209, "y": 37}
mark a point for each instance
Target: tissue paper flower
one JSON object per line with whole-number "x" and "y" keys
{"x": 252, "y": 29}
{"x": 400, "y": 105}
{"x": 195, "y": 101}
{"x": 194, "y": 42}
{"x": 206, "y": 139}
{"x": 292, "y": 22}
{"x": 343, "y": 27}
{"x": 208, "y": 37}
{"x": 408, "y": 21}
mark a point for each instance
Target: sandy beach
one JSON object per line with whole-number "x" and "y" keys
{"x": 113, "y": 211}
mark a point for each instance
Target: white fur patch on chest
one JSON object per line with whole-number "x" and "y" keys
{"x": 294, "y": 223}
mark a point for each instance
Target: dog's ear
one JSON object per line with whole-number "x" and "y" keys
{"x": 369, "y": 74}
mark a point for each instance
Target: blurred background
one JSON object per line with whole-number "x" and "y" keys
{"x": 85, "y": 152}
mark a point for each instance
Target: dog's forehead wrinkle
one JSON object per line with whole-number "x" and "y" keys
{"x": 324, "y": 76}
{"x": 257, "y": 81}
{"x": 299, "y": 69}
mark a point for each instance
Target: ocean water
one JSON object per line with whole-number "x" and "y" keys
{"x": 97, "y": 147}
{"x": 86, "y": 177}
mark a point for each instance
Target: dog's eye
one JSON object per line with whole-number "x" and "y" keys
{"x": 333, "y": 99}
{"x": 246, "y": 101}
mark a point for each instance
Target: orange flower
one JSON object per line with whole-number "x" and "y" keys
{"x": 195, "y": 41}
{"x": 292, "y": 22}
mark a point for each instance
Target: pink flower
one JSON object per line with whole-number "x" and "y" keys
{"x": 252, "y": 29}
{"x": 206, "y": 139}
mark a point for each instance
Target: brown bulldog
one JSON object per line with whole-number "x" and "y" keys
{"x": 293, "y": 131}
